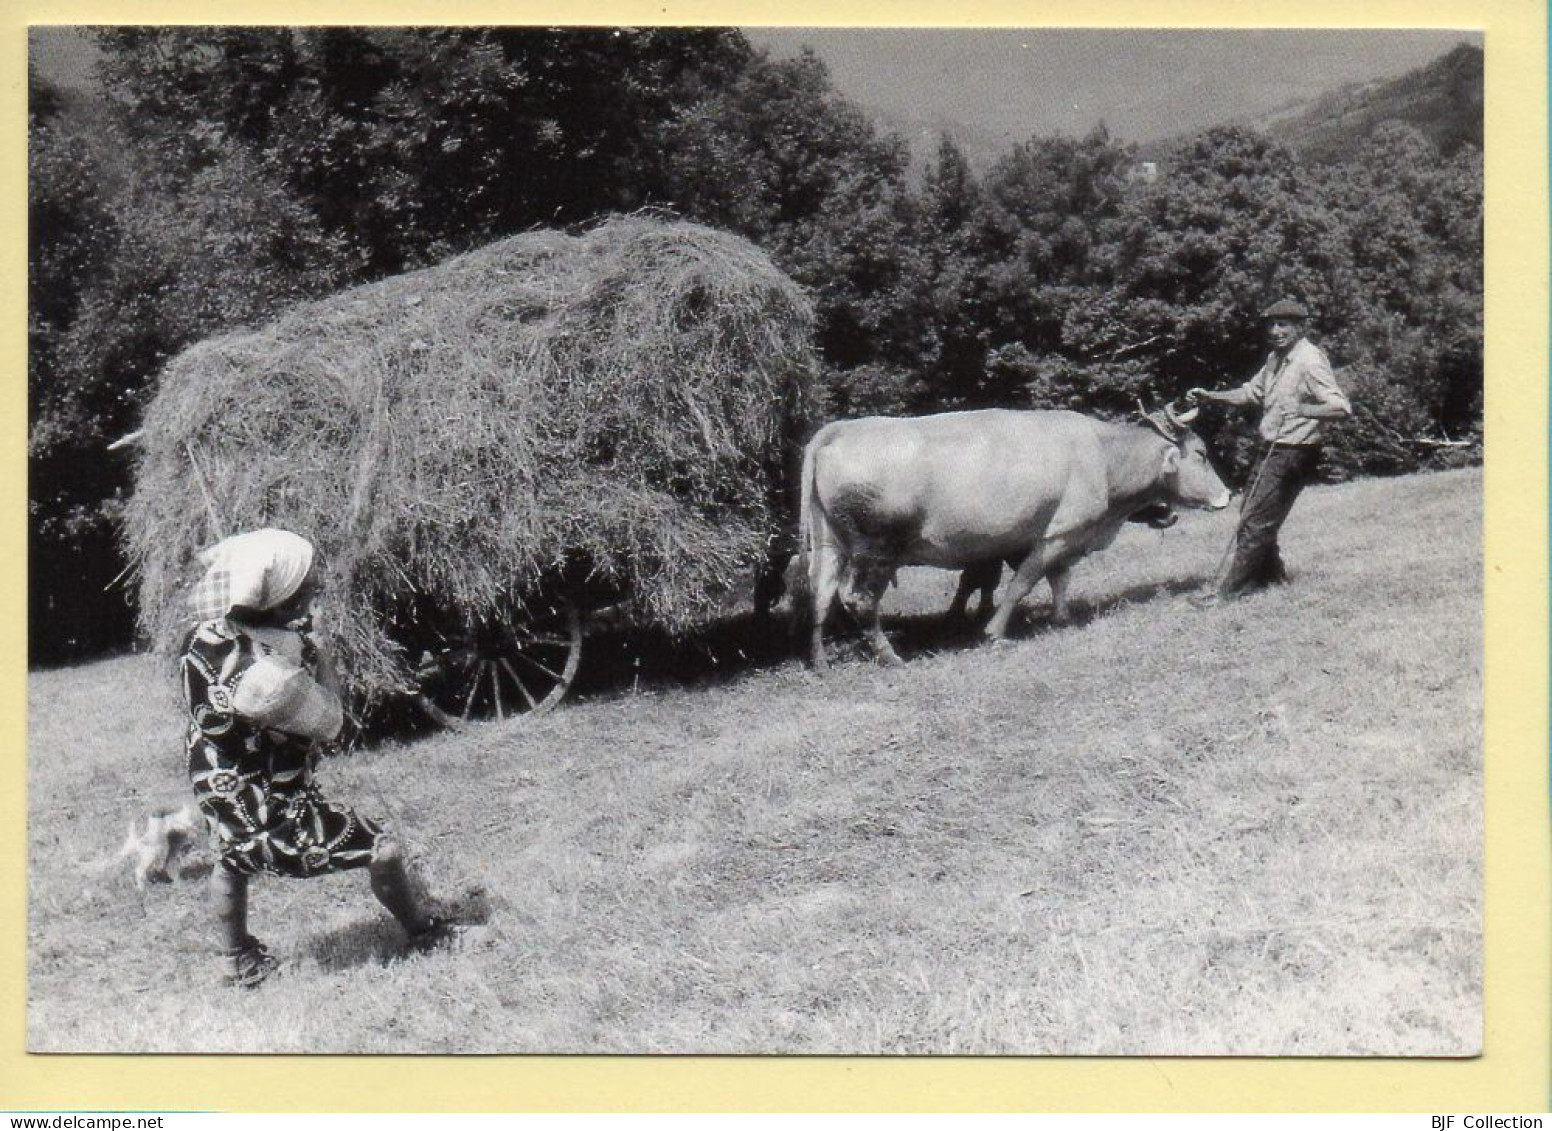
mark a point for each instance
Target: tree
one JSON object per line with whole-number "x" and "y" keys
{"x": 949, "y": 230}
{"x": 1233, "y": 223}
{"x": 765, "y": 154}
{"x": 131, "y": 259}
{"x": 1050, "y": 202}
{"x": 413, "y": 143}
{"x": 780, "y": 158}
{"x": 1413, "y": 226}
{"x": 71, "y": 236}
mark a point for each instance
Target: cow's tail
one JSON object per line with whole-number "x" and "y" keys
{"x": 816, "y": 547}
{"x": 809, "y": 513}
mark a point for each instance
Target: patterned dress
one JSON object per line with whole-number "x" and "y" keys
{"x": 253, "y": 780}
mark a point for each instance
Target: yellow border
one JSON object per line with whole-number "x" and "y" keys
{"x": 1514, "y": 1073}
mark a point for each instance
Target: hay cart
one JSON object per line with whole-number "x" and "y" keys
{"x": 492, "y": 453}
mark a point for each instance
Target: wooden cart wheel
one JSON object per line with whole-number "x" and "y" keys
{"x": 499, "y": 669}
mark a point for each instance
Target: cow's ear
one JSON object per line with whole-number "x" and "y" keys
{"x": 1171, "y": 460}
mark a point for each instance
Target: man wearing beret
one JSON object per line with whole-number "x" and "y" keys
{"x": 1297, "y": 394}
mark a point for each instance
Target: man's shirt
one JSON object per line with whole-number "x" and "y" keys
{"x": 1302, "y": 376}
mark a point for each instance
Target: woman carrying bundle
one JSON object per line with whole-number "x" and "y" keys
{"x": 262, "y": 702}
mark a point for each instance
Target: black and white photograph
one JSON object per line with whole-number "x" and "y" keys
{"x": 867, "y": 541}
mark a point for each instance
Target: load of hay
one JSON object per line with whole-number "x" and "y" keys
{"x": 616, "y": 410}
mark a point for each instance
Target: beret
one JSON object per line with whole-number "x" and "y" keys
{"x": 1285, "y": 308}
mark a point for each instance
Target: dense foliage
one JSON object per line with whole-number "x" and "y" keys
{"x": 217, "y": 176}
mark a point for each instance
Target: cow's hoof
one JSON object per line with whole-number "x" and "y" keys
{"x": 890, "y": 660}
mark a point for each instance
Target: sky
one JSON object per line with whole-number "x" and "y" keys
{"x": 1143, "y": 84}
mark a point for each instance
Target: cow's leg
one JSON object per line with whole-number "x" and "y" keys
{"x": 985, "y": 609}
{"x": 1030, "y": 571}
{"x": 866, "y": 598}
{"x": 824, "y": 579}
{"x": 982, "y": 576}
{"x": 967, "y": 586}
{"x": 1057, "y": 575}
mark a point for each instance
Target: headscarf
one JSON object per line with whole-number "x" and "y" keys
{"x": 257, "y": 570}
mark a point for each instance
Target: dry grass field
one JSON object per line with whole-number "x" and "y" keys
{"x": 1254, "y": 829}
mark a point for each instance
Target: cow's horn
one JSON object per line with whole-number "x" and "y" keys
{"x": 1181, "y": 420}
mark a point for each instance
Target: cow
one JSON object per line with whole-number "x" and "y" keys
{"x": 984, "y": 576}
{"x": 959, "y": 489}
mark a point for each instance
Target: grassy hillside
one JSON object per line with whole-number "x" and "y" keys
{"x": 1442, "y": 100}
{"x": 1252, "y": 829}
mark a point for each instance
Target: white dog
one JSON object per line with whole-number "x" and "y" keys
{"x": 155, "y": 842}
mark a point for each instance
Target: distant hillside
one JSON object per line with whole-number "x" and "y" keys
{"x": 1443, "y": 100}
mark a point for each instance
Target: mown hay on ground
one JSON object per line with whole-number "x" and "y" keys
{"x": 614, "y": 411}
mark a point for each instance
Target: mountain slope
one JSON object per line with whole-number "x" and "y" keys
{"x": 1443, "y": 100}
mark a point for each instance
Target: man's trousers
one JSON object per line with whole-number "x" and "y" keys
{"x": 1257, "y": 560}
